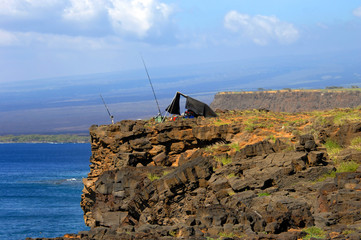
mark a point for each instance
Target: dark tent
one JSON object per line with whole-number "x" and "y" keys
{"x": 198, "y": 107}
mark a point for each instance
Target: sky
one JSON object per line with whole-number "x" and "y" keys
{"x": 56, "y": 56}
{"x": 50, "y": 38}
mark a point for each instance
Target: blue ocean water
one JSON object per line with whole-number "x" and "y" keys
{"x": 40, "y": 189}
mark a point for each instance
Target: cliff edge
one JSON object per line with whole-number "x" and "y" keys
{"x": 244, "y": 175}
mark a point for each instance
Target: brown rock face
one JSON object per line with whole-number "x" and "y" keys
{"x": 287, "y": 101}
{"x": 154, "y": 182}
{"x": 131, "y": 143}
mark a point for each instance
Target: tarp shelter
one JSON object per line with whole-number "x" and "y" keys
{"x": 198, "y": 107}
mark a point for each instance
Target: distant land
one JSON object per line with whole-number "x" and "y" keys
{"x": 71, "y": 104}
{"x": 37, "y": 138}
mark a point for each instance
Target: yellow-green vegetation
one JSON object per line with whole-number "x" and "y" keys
{"x": 356, "y": 143}
{"x": 249, "y": 126}
{"x": 153, "y": 177}
{"x": 231, "y": 175}
{"x": 272, "y": 138}
{"x": 165, "y": 173}
{"x": 213, "y": 147}
{"x": 235, "y": 146}
{"x": 224, "y": 160}
{"x": 347, "y": 167}
{"x": 173, "y": 233}
{"x": 231, "y": 193}
{"x": 348, "y": 232}
{"x": 332, "y": 147}
{"x": 314, "y": 232}
{"x": 219, "y": 122}
{"x": 340, "y": 168}
{"x": 262, "y": 194}
{"x": 340, "y": 117}
{"x": 226, "y": 235}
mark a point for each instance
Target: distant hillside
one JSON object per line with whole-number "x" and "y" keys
{"x": 288, "y": 100}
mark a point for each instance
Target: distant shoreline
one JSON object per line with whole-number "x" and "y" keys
{"x": 39, "y": 138}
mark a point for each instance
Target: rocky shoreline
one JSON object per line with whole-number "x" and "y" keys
{"x": 216, "y": 179}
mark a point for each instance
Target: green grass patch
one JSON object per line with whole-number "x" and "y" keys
{"x": 231, "y": 175}
{"x": 347, "y": 167}
{"x": 235, "y": 146}
{"x": 153, "y": 177}
{"x": 341, "y": 117}
{"x": 226, "y": 235}
{"x": 263, "y": 194}
{"x": 219, "y": 122}
{"x": 340, "y": 168}
{"x": 272, "y": 138}
{"x": 249, "y": 126}
{"x": 314, "y": 232}
{"x": 356, "y": 143}
{"x": 224, "y": 160}
{"x": 332, "y": 147}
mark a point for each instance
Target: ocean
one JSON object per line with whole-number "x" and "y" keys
{"x": 40, "y": 189}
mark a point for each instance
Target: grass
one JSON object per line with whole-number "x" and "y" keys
{"x": 219, "y": 122}
{"x": 343, "y": 116}
{"x": 263, "y": 194}
{"x": 272, "y": 138}
{"x": 231, "y": 175}
{"x": 152, "y": 177}
{"x": 224, "y": 160}
{"x": 340, "y": 168}
{"x": 235, "y": 146}
{"x": 356, "y": 143}
{"x": 314, "y": 232}
{"x": 332, "y": 147}
{"x": 226, "y": 235}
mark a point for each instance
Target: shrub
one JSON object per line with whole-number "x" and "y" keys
{"x": 224, "y": 160}
{"x": 152, "y": 177}
{"x": 314, "y": 232}
{"x": 231, "y": 175}
{"x": 263, "y": 194}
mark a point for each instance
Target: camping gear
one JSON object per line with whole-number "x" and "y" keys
{"x": 195, "y": 107}
{"x": 106, "y": 107}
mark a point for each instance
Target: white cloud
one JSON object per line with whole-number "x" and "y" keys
{"x": 7, "y": 38}
{"x": 261, "y": 29}
{"x": 83, "y": 10}
{"x": 357, "y": 12}
{"x": 24, "y": 7}
{"x": 138, "y": 16}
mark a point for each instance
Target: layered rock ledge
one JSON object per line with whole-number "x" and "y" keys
{"x": 288, "y": 100}
{"x": 195, "y": 179}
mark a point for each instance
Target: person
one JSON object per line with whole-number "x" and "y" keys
{"x": 189, "y": 114}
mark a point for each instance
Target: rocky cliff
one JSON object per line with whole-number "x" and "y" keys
{"x": 288, "y": 101}
{"x": 220, "y": 179}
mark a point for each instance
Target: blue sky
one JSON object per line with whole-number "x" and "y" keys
{"x": 56, "y": 56}
{"x": 51, "y": 38}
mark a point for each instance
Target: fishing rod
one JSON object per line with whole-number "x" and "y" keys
{"x": 106, "y": 107}
{"x": 155, "y": 97}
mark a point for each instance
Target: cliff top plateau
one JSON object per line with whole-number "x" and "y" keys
{"x": 251, "y": 174}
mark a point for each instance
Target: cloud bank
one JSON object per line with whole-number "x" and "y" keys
{"x": 261, "y": 29}
{"x": 136, "y": 18}
{"x": 357, "y": 12}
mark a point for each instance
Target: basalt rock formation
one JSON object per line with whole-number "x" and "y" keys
{"x": 288, "y": 101}
{"x": 183, "y": 179}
